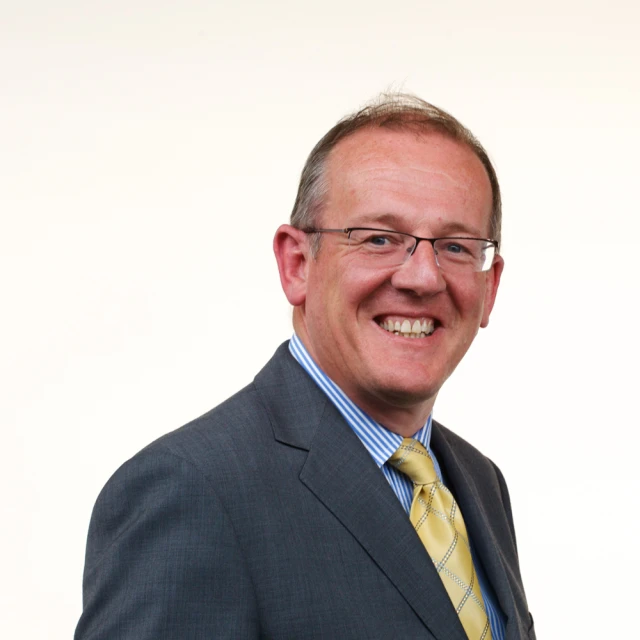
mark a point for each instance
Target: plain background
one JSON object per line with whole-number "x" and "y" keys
{"x": 149, "y": 150}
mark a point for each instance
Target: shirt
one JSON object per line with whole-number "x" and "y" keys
{"x": 381, "y": 444}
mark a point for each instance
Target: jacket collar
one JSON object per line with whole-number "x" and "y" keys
{"x": 342, "y": 475}
{"x": 474, "y": 501}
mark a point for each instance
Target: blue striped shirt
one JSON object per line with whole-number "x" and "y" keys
{"x": 381, "y": 444}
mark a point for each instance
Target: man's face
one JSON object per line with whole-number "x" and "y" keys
{"x": 424, "y": 184}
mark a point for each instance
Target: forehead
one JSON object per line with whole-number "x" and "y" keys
{"x": 381, "y": 171}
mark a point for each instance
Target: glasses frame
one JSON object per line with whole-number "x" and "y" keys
{"x": 418, "y": 239}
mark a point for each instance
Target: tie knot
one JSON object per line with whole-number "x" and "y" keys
{"x": 414, "y": 461}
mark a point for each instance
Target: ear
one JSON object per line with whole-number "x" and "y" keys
{"x": 291, "y": 247}
{"x": 491, "y": 284}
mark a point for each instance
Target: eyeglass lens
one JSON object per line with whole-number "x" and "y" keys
{"x": 391, "y": 248}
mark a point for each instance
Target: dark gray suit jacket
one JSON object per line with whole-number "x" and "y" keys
{"x": 267, "y": 518}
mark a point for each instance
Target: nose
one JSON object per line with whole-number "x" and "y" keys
{"x": 420, "y": 273}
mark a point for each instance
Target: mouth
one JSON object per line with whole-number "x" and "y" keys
{"x": 407, "y": 327}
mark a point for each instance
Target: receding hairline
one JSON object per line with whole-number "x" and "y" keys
{"x": 340, "y": 156}
{"x": 419, "y": 133}
{"x": 396, "y": 112}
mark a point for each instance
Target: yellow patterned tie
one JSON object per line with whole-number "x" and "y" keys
{"x": 438, "y": 521}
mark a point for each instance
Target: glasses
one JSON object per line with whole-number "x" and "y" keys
{"x": 384, "y": 248}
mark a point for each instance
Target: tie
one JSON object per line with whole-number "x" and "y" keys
{"x": 439, "y": 524}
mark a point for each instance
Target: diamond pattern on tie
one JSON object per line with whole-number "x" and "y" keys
{"x": 438, "y": 522}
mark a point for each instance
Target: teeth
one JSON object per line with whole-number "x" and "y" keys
{"x": 419, "y": 328}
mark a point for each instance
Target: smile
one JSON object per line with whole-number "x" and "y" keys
{"x": 407, "y": 328}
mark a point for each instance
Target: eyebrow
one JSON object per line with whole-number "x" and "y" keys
{"x": 396, "y": 222}
{"x": 390, "y": 219}
{"x": 451, "y": 228}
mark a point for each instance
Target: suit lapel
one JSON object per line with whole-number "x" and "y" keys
{"x": 341, "y": 474}
{"x": 481, "y": 531}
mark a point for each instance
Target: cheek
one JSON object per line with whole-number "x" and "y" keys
{"x": 352, "y": 286}
{"x": 329, "y": 297}
{"x": 468, "y": 297}
{"x": 363, "y": 294}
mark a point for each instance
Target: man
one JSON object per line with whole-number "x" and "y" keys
{"x": 322, "y": 501}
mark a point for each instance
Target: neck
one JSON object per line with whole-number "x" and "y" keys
{"x": 405, "y": 420}
{"x": 394, "y": 411}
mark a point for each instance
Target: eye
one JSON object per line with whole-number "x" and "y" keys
{"x": 379, "y": 240}
{"x": 455, "y": 248}
{"x": 376, "y": 239}
{"x": 458, "y": 249}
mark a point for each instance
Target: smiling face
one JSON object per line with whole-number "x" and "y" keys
{"x": 424, "y": 184}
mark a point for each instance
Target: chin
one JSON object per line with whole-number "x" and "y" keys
{"x": 407, "y": 395}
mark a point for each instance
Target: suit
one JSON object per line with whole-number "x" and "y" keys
{"x": 267, "y": 518}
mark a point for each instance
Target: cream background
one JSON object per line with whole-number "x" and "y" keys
{"x": 150, "y": 149}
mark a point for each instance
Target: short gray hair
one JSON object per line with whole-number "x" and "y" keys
{"x": 401, "y": 111}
